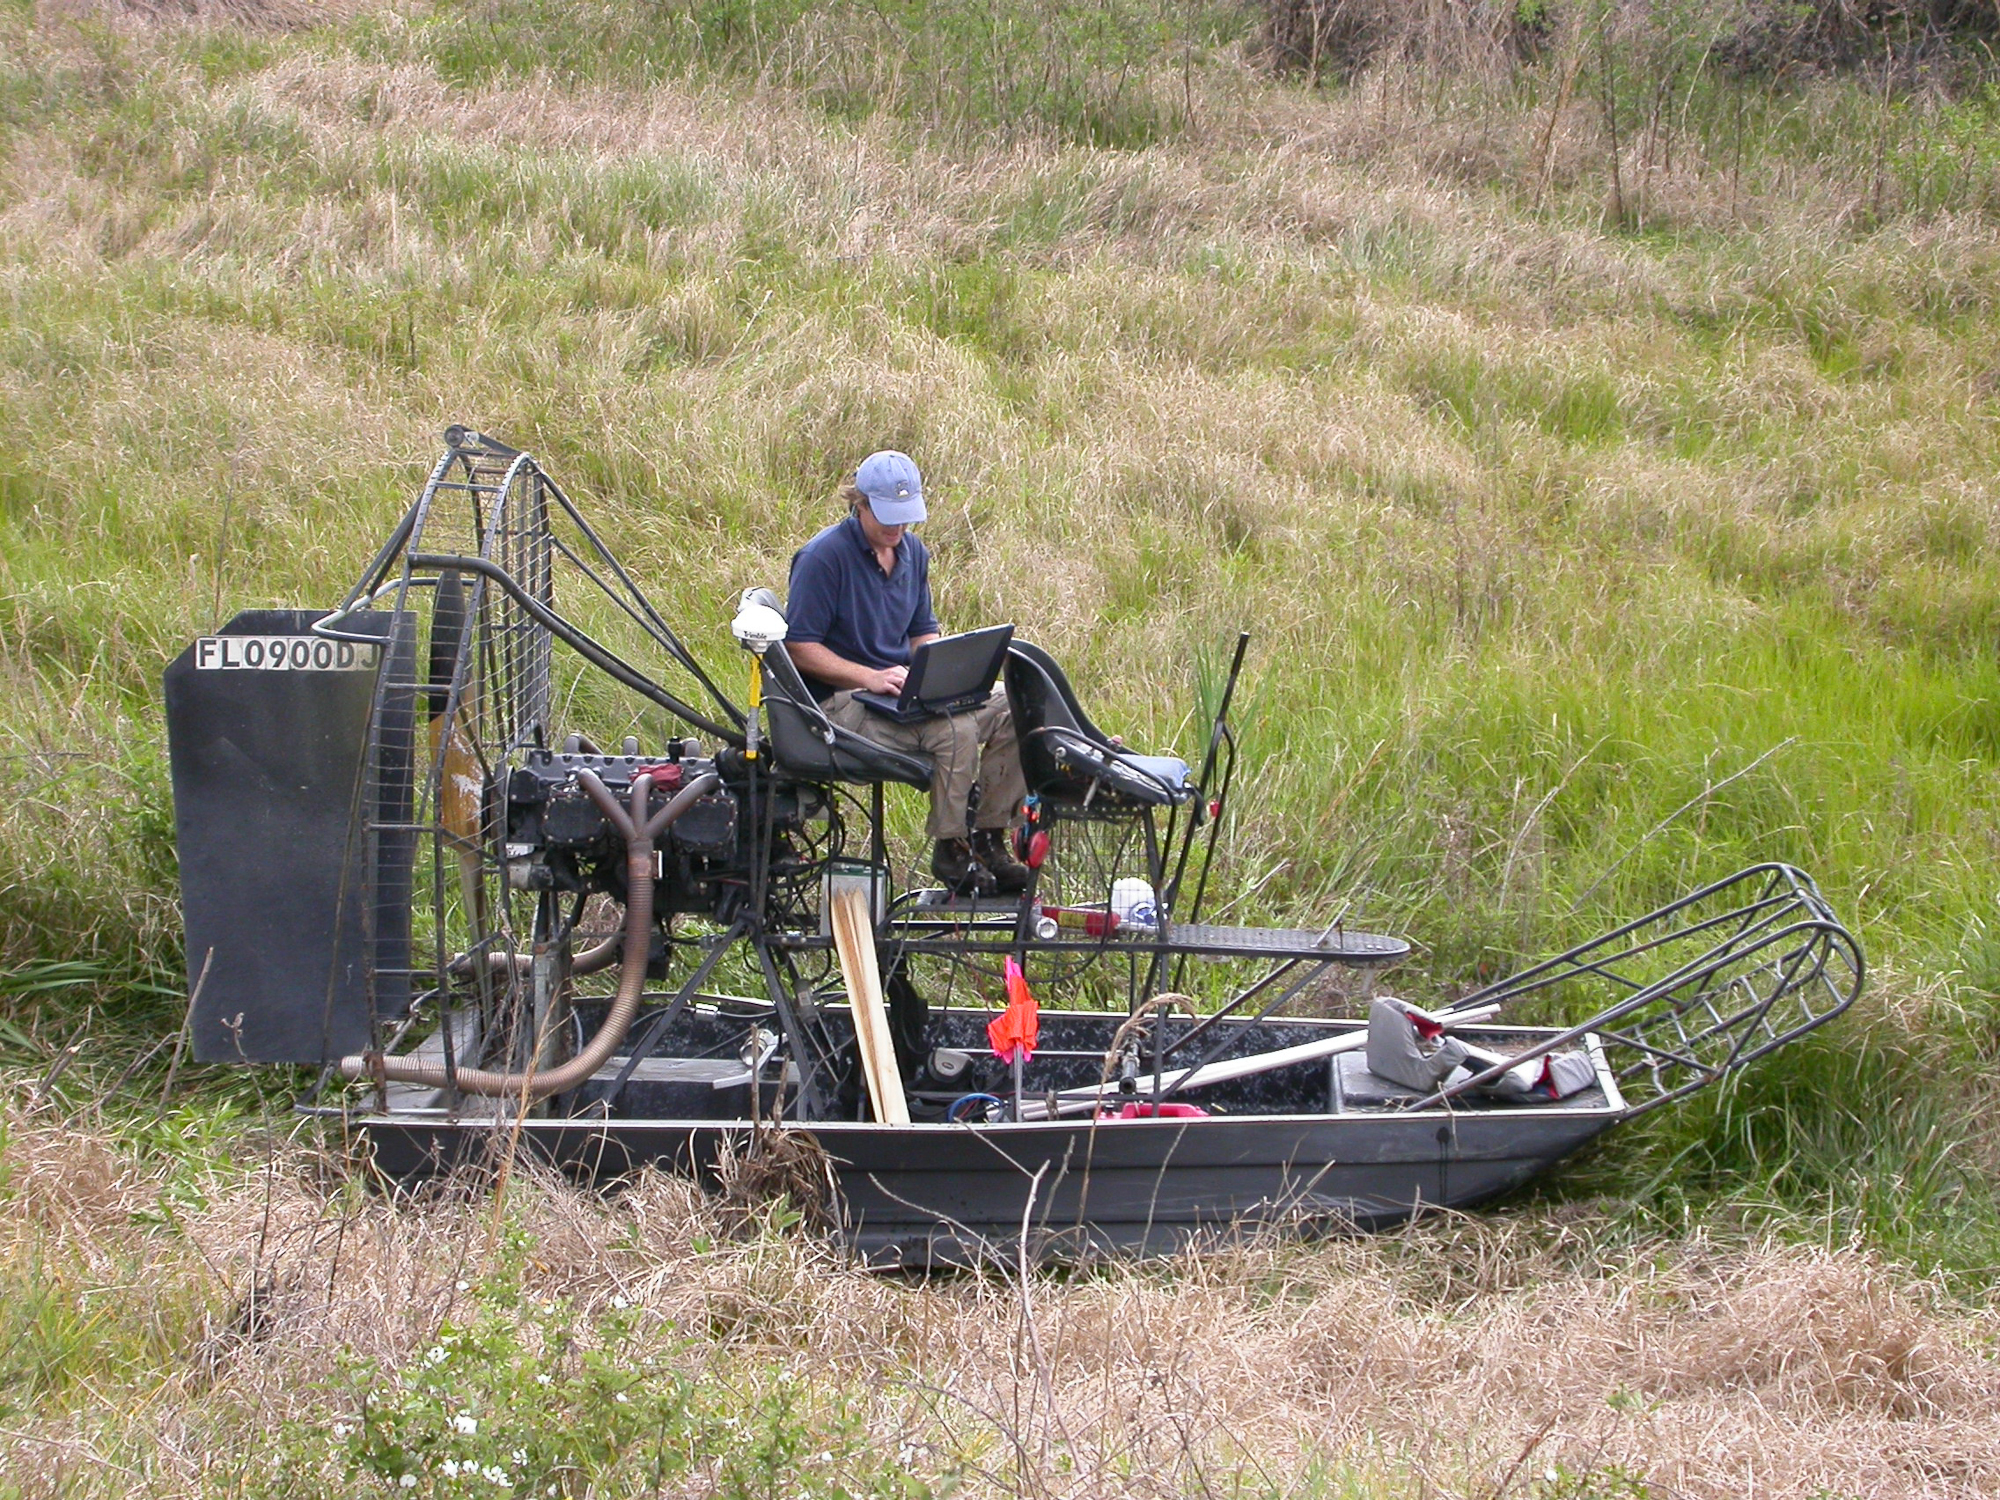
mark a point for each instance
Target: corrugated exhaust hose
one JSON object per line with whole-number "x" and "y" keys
{"x": 590, "y": 961}
{"x": 639, "y": 832}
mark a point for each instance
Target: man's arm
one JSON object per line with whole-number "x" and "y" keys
{"x": 818, "y": 662}
{"x": 924, "y": 624}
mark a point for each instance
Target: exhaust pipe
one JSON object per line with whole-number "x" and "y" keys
{"x": 640, "y": 832}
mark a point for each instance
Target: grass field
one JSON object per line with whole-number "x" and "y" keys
{"x": 1601, "y": 449}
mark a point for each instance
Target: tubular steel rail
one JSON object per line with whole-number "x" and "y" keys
{"x": 1707, "y": 985}
{"x": 482, "y": 540}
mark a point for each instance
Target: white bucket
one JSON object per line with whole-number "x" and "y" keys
{"x": 1133, "y": 900}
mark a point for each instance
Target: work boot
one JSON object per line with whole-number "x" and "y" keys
{"x": 952, "y": 862}
{"x": 994, "y": 849}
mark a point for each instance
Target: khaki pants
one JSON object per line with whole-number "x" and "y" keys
{"x": 977, "y": 746}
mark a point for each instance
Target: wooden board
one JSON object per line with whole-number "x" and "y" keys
{"x": 854, "y": 938}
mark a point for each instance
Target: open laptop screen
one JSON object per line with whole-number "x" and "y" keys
{"x": 956, "y": 666}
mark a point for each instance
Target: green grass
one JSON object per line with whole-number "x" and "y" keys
{"x": 1080, "y": 71}
{"x": 1544, "y": 522}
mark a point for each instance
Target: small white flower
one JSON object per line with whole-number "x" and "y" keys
{"x": 343, "y": 1429}
{"x": 620, "y": 1396}
{"x": 437, "y": 1354}
{"x": 408, "y": 1481}
{"x": 466, "y": 1423}
{"x": 495, "y": 1474}
{"x": 542, "y": 1379}
{"x": 519, "y": 1455}
{"x": 450, "y": 1468}
{"x": 620, "y": 1302}
{"x": 465, "y": 1286}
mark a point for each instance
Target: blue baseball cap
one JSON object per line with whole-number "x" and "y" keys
{"x": 894, "y": 488}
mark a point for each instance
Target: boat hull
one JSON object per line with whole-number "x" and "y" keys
{"x": 920, "y": 1196}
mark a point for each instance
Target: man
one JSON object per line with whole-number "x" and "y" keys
{"x": 860, "y": 605}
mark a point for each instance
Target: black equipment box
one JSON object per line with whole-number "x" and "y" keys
{"x": 282, "y": 883}
{"x": 681, "y": 1088}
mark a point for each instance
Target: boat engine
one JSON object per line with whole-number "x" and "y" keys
{"x": 556, "y": 838}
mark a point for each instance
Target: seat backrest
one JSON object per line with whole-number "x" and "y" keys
{"x": 809, "y": 746}
{"x": 1043, "y": 683}
{"x": 1046, "y": 717}
{"x": 1064, "y": 757}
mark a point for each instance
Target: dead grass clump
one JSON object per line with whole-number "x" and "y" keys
{"x": 72, "y": 1184}
{"x": 1836, "y": 1333}
{"x": 781, "y": 1170}
{"x": 1783, "y": 38}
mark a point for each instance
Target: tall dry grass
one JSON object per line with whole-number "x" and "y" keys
{"x": 1500, "y": 1356}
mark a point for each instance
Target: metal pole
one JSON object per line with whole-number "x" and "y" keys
{"x": 1218, "y": 728}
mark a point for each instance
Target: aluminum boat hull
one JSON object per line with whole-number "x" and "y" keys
{"x": 938, "y": 1194}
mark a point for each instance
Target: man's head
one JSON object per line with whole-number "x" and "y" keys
{"x": 893, "y": 488}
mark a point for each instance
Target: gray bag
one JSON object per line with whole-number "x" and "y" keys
{"x": 1553, "y": 1075}
{"x": 1400, "y": 1050}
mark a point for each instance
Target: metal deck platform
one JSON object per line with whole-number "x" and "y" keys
{"x": 990, "y": 924}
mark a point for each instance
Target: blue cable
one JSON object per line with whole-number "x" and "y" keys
{"x": 951, "y": 1114}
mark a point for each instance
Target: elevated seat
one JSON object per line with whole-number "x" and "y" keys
{"x": 808, "y": 746}
{"x": 1069, "y": 761}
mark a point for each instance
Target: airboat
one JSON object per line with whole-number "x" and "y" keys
{"x": 488, "y": 845}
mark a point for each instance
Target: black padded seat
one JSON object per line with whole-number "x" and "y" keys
{"x": 1065, "y": 756}
{"x": 808, "y": 746}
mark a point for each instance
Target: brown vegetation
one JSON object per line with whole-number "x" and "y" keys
{"x": 1340, "y": 38}
{"x": 278, "y": 15}
{"x": 1440, "y": 1361}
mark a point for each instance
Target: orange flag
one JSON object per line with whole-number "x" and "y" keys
{"x": 1018, "y": 1026}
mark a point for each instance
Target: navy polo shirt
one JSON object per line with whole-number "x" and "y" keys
{"x": 841, "y": 598}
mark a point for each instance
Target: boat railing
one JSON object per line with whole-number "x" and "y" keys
{"x": 1706, "y": 985}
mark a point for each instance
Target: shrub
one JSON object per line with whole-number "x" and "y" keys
{"x": 1340, "y": 38}
{"x": 1778, "y": 38}
{"x": 1752, "y": 38}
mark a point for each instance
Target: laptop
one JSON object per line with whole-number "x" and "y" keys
{"x": 950, "y": 675}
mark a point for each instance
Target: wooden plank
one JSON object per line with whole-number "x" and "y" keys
{"x": 850, "y": 969}
{"x": 854, "y": 939}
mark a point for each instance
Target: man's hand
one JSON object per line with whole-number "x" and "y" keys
{"x": 890, "y": 680}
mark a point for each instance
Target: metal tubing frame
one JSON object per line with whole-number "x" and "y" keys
{"x": 1785, "y": 885}
{"x": 1808, "y": 964}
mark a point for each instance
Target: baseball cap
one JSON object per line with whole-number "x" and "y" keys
{"x": 894, "y": 488}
